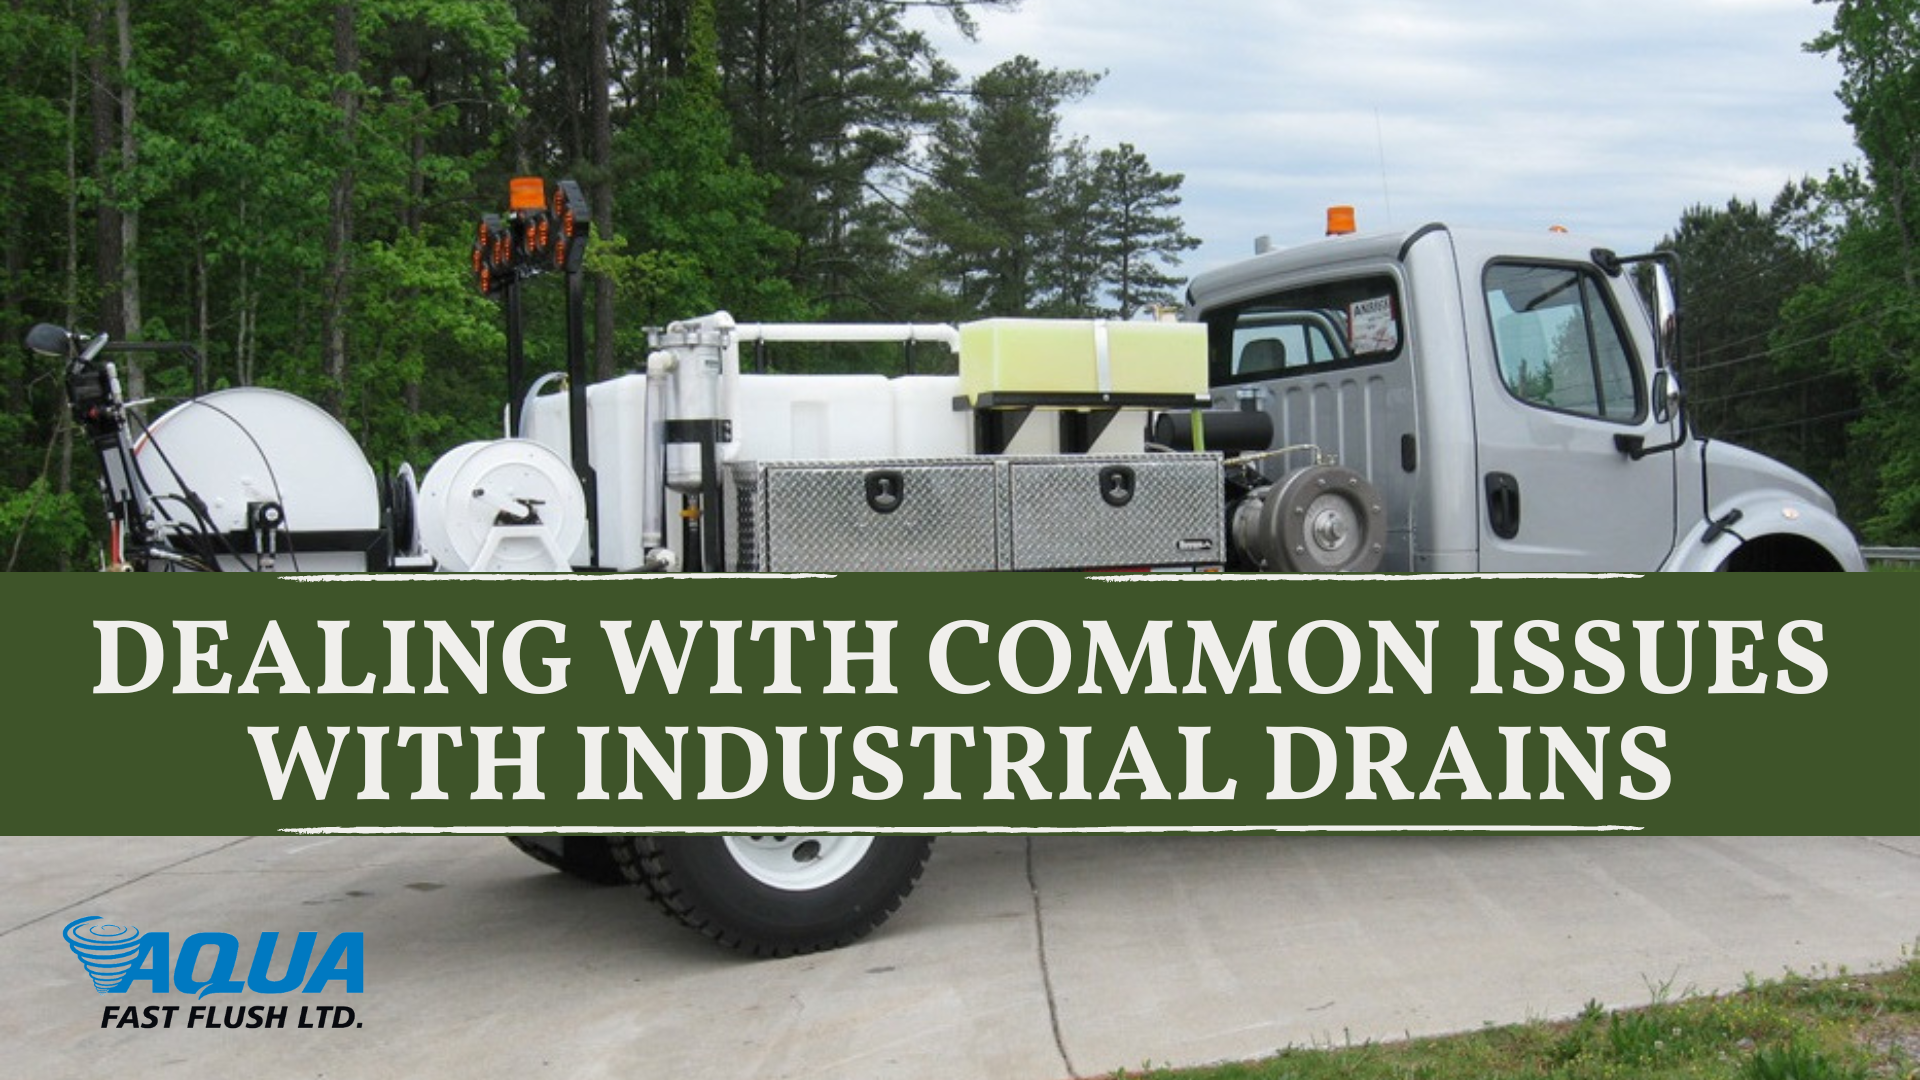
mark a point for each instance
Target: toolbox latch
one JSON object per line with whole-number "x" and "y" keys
{"x": 885, "y": 489}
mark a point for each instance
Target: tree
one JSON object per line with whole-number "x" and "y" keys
{"x": 1073, "y": 261}
{"x": 1864, "y": 317}
{"x": 116, "y": 148}
{"x": 1136, "y": 228}
{"x": 340, "y": 207}
{"x": 831, "y": 99}
{"x": 697, "y": 237}
{"x": 1877, "y": 43}
{"x": 984, "y": 216}
{"x": 600, "y": 193}
{"x": 1739, "y": 264}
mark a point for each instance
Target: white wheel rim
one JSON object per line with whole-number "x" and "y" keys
{"x": 797, "y": 863}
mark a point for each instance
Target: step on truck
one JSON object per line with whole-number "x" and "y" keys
{"x": 1432, "y": 400}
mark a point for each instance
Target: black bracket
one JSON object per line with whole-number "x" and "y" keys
{"x": 1721, "y": 526}
{"x": 1081, "y": 428}
{"x": 693, "y": 431}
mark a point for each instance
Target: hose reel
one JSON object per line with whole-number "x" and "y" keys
{"x": 508, "y": 505}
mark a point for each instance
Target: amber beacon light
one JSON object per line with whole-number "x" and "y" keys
{"x": 527, "y": 193}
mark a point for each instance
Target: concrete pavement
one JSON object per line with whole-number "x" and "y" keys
{"x": 1069, "y": 956}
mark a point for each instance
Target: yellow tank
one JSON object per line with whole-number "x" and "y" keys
{"x": 1081, "y": 361}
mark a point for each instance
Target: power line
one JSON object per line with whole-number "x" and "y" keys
{"x": 1875, "y": 318}
{"x": 1843, "y": 414}
{"x": 1776, "y": 387}
{"x": 1714, "y": 284}
{"x": 1726, "y": 346}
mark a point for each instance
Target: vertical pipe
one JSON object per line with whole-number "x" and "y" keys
{"x": 653, "y": 467}
{"x": 516, "y": 355}
{"x": 577, "y": 407}
{"x": 713, "y": 511}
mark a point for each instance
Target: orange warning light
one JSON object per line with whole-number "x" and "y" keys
{"x": 1340, "y": 221}
{"x": 527, "y": 193}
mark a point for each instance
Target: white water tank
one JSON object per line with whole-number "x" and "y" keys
{"x": 251, "y": 446}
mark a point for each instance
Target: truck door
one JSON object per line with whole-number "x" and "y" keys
{"x": 1556, "y": 376}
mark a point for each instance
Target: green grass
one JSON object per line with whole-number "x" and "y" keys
{"x": 1837, "y": 1027}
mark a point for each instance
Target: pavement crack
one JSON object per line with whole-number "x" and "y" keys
{"x": 1046, "y": 970}
{"x": 118, "y": 885}
{"x": 1895, "y": 848}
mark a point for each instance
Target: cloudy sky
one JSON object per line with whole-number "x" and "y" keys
{"x": 1607, "y": 116}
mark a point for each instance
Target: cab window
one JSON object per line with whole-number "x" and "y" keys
{"x": 1339, "y": 324}
{"x": 1558, "y": 343}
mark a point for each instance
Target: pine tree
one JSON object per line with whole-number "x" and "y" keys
{"x": 1137, "y": 230}
{"x": 985, "y": 215}
{"x": 697, "y": 237}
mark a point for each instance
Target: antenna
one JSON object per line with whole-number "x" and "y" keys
{"x": 1380, "y": 137}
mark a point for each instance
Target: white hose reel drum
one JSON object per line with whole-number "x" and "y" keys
{"x": 262, "y": 452}
{"x": 506, "y": 506}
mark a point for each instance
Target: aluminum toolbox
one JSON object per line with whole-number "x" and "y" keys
{"x": 847, "y": 516}
{"x": 1072, "y": 512}
{"x": 1059, "y": 512}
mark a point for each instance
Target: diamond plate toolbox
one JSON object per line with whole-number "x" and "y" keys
{"x": 984, "y": 513}
{"x": 850, "y": 516}
{"x": 1073, "y": 512}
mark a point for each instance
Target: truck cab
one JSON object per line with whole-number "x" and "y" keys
{"x": 1508, "y": 395}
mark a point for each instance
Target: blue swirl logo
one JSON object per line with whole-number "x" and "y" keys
{"x": 106, "y": 950}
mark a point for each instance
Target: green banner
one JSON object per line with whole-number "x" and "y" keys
{"x": 160, "y": 704}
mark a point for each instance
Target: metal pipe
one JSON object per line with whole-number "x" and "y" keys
{"x": 516, "y": 353}
{"x": 532, "y": 395}
{"x": 653, "y": 467}
{"x": 577, "y": 408}
{"x": 851, "y": 333}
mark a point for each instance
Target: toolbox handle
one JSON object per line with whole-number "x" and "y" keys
{"x": 885, "y": 490}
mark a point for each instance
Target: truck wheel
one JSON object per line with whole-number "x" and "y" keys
{"x": 589, "y": 858}
{"x": 777, "y": 895}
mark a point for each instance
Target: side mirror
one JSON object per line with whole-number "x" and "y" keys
{"x": 1667, "y": 396}
{"x": 50, "y": 340}
{"x": 1666, "y": 316}
{"x": 1669, "y": 402}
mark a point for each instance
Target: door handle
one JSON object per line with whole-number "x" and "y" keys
{"x": 1503, "y": 505}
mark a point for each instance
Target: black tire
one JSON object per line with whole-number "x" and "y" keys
{"x": 738, "y": 890}
{"x": 589, "y": 858}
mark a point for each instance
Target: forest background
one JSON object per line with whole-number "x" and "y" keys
{"x": 291, "y": 188}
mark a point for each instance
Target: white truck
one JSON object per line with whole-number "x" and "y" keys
{"x": 1432, "y": 400}
{"x": 1511, "y": 397}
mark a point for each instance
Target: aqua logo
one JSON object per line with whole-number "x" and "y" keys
{"x": 117, "y": 958}
{"x": 106, "y": 950}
